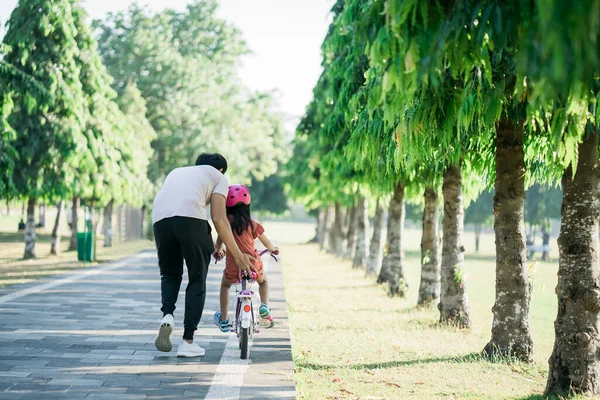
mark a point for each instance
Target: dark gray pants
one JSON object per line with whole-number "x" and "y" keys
{"x": 179, "y": 238}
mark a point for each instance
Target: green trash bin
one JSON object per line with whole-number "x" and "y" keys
{"x": 85, "y": 246}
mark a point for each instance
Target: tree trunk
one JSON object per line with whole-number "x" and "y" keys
{"x": 30, "y": 230}
{"x": 55, "y": 244}
{"x": 347, "y": 215}
{"x": 324, "y": 244}
{"x": 7, "y": 207}
{"x": 336, "y": 233}
{"x": 351, "y": 233}
{"x": 94, "y": 230}
{"x": 362, "y": 232}
{"x": 429, "y": 290}
{"x": 375, "y": 251}
{"x": 143, "y": 222}
{"x": 454, "y": 304}
{"x": 392, "y": 263}
{"x": 510, "y": 331}
{"x": 108, "y": 212}
{"x": 575, "y": 360}
{"x": 75, "y": 210}
{"x": 319, "y": 229}
{"x": 477, "y": 235}
{"x": 393, "y": 229}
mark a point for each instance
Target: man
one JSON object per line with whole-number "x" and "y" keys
{"x": 182, "y": 231}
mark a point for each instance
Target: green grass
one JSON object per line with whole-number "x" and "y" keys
{"x": 15, "y": 270}
{"x": 351, "y": 341}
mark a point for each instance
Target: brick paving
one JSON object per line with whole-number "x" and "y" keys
{"x": 90, "y": 336}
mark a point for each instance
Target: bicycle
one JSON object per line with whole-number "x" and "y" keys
{"x": 246, "y": 323}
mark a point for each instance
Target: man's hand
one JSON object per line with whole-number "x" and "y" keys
{"x": 245, "y": 264}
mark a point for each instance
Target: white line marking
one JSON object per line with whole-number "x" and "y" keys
{"x": 229, "y": 377}
{"x": 52, "y": 284}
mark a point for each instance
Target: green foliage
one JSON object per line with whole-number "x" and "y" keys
{"x": 184, "y": 64}
{"x": 411, "y": 87}
{"x": 268, "y": 195}
{"x": 135, "y": 150}
{"x": 8, "y": 155}
{"x": 41, "y": 128}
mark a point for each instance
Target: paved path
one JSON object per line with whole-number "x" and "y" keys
{"x": 89, "y": 335}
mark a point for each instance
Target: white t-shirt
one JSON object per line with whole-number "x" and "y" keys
{"x": 186, "y": 192}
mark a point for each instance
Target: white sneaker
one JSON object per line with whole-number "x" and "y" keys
{"x": 190, "y": 350}
{"x": 163, "y": 340}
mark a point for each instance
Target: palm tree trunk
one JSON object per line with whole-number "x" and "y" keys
{"x": 510, "y": 330}
{"x": 575, "y": 360}
{"x": 108, "y": 212}
{"x": 429, "y": 290}
{"x": 351, "y": 233}
{"x": 55, "y": 244}
{"x": 336, "y": 233}
{"x": 30, "y": 230}
{"x": 375, "y": 251}
{"x": 393, "y": 261}
{"x": 362, "y": 232}
{"x": 454, "y": 304}
{"x": 75, "y": 211}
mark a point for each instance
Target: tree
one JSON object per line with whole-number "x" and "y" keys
{"x": 376, "y": 246}
{"x": 560, "y": 59}
{"x": 571, "y": 365}
{"x": 429, "y": 289}
{"x": 41, "y": 42}
{"x": 107, "y": 164}
{"x": 336, "y": 233}
{"x": 361, "y": 255}
{"x": 8, "y": 155}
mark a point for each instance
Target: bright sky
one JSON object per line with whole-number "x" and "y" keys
{"x": 284, "y": 35}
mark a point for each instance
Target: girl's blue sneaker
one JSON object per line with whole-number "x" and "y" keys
{"x": 223, "y": 325}
{"x": 264, "y": 311}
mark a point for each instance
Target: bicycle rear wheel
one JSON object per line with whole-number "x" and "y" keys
{"x": 244, "y": 343}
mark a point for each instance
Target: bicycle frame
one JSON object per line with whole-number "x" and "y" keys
{"x": 246, "y": 308}
{"x": 247, "y": 318}
{"x": 246, "y": 311}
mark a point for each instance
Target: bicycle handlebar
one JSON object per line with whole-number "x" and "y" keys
{"x": 218, "y": 257}
{"x": 273, "y": 254}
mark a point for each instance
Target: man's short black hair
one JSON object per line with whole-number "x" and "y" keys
{"x": 213, "y": 159}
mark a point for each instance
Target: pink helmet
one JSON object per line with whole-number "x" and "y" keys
{"x": 238, "y": 194}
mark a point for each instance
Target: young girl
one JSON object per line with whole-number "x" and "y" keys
{"x": 245, "y": 231}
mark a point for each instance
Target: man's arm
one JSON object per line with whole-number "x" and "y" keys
{"x": 219, "y": 218}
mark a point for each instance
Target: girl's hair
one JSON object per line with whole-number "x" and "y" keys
{"x": 242, "y": 220}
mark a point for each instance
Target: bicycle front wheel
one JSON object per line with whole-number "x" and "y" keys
{"x": 244, "y": 343}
